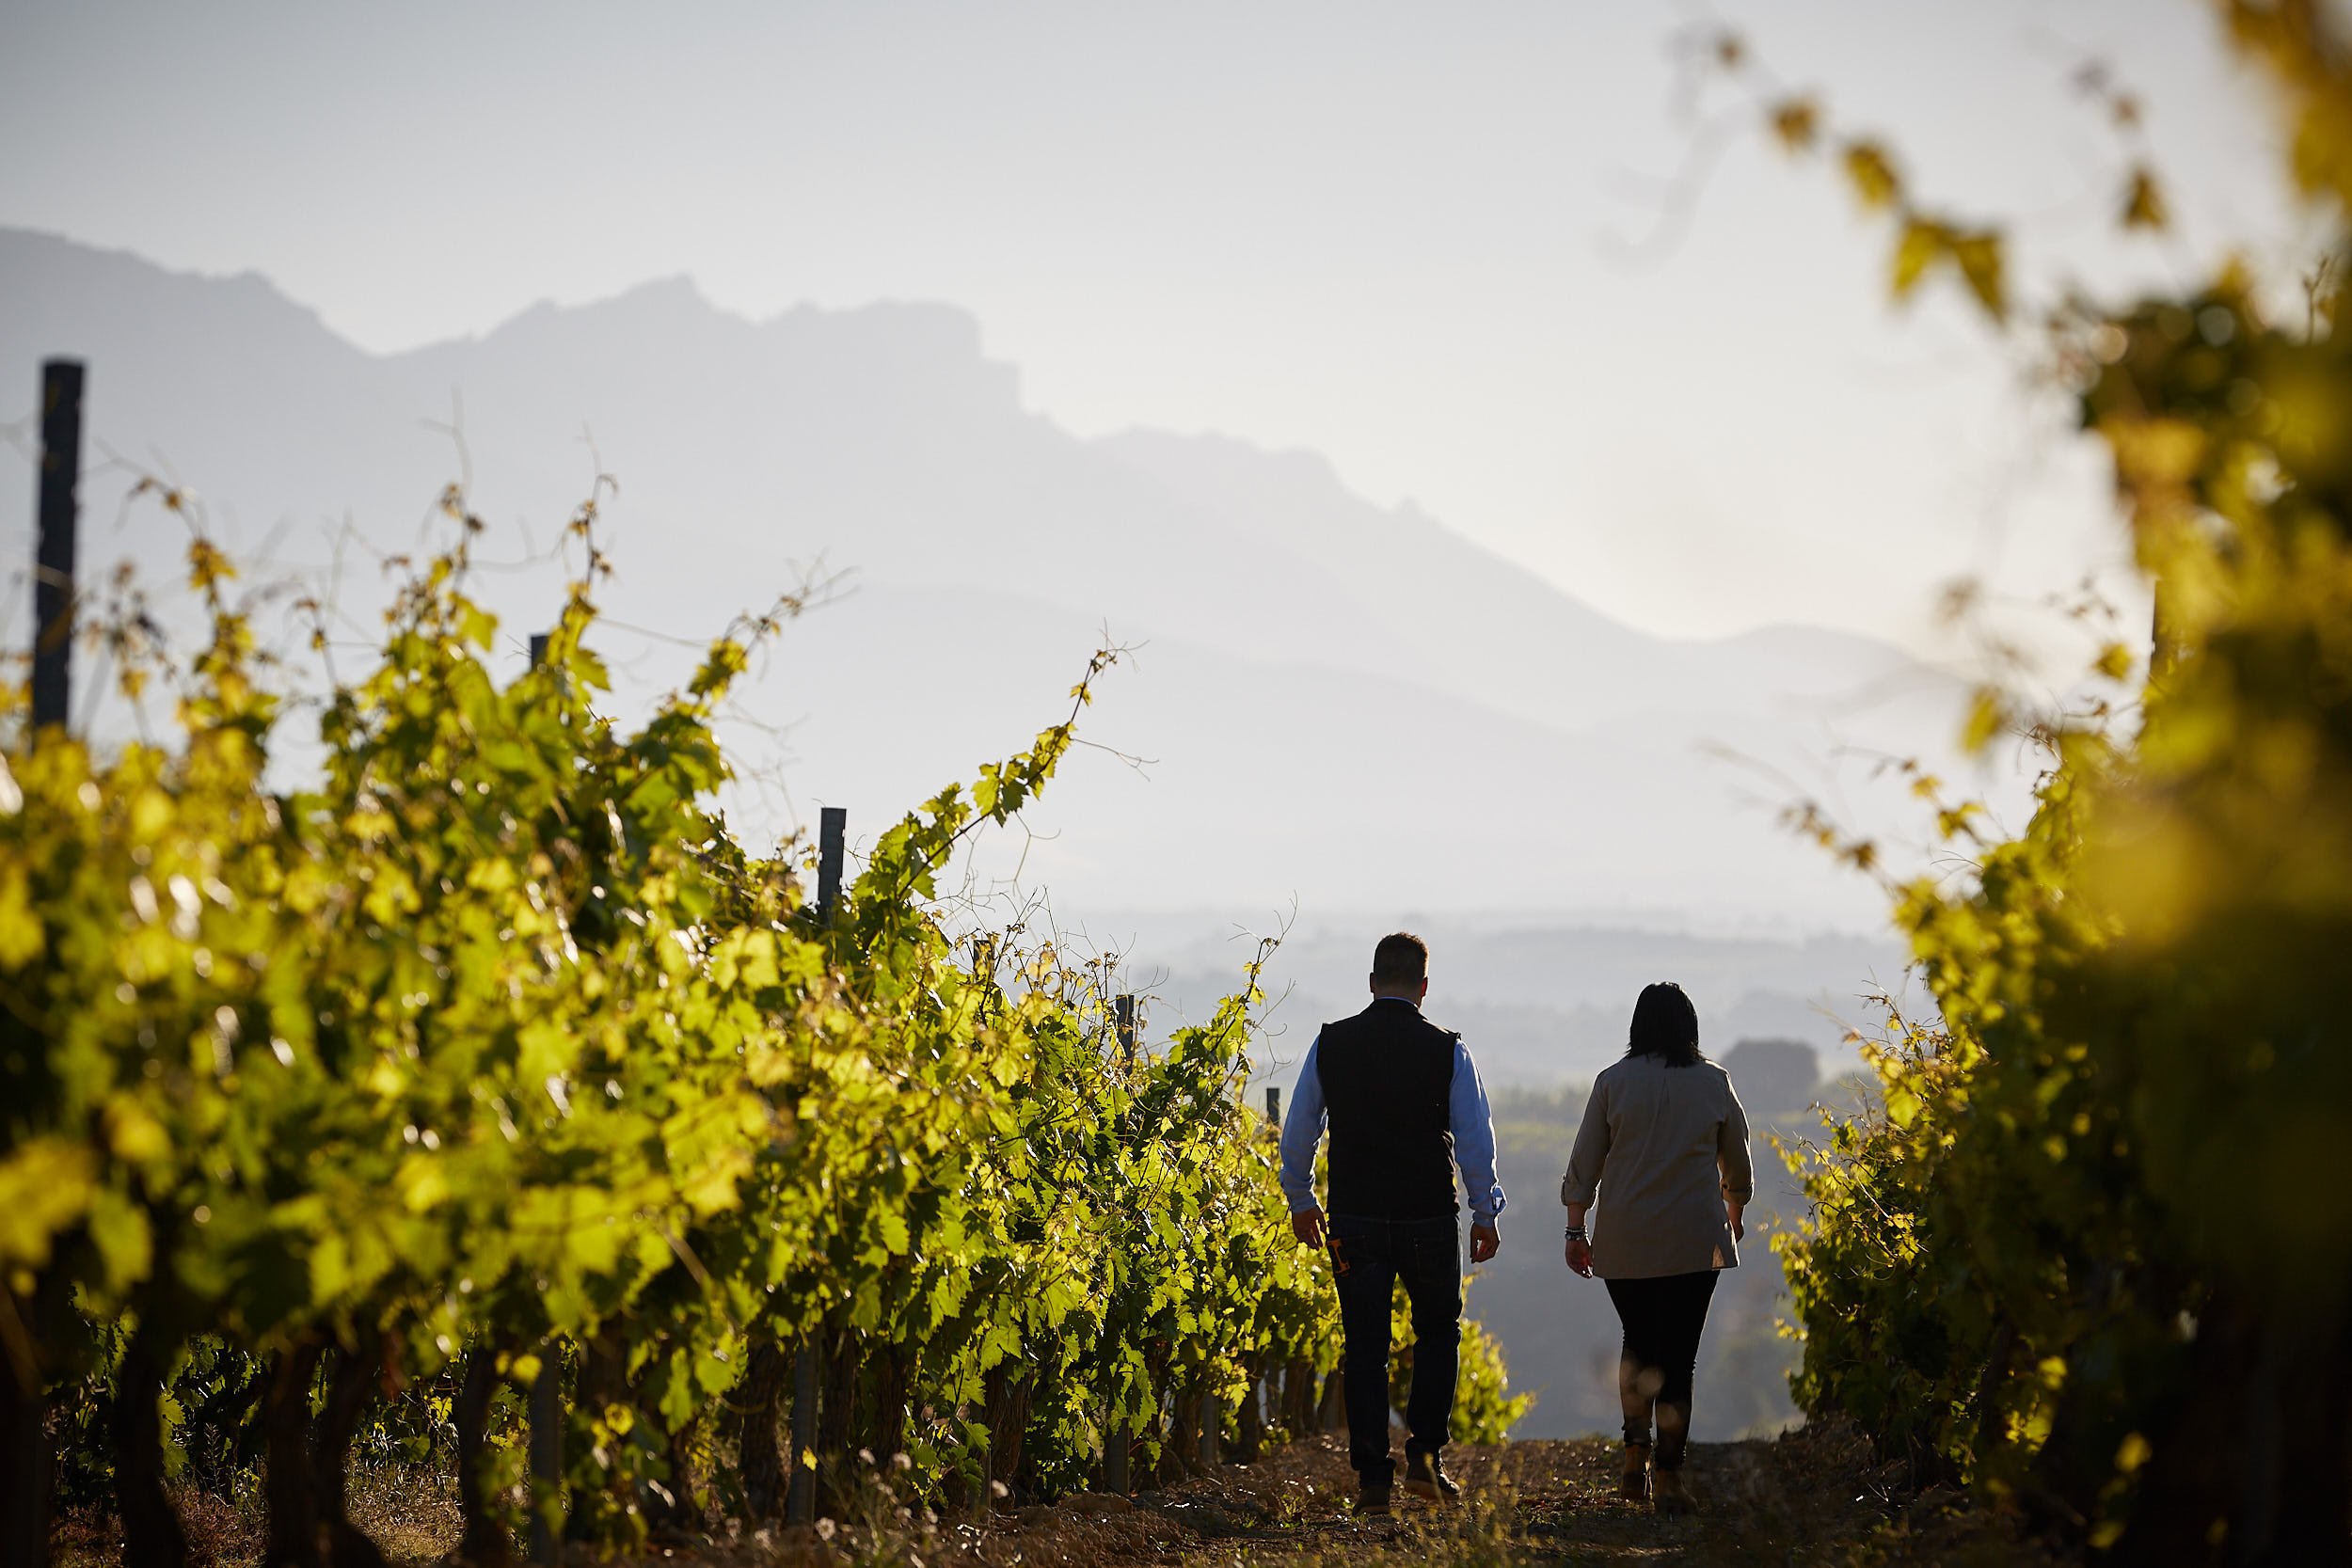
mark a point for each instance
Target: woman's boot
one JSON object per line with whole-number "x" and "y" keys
{"x": 1667, "y": 1494}
{"x": 1633, "y": 1484}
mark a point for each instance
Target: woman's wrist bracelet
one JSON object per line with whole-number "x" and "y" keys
{"x": 1576, "y": 1233}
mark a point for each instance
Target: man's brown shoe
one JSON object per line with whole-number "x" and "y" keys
{"x": 1667, "y": 1494}
{"x": 1425, "y": 1478}
{"x": 1372, "y": 1502}
{"x": 1633, "y": 1484}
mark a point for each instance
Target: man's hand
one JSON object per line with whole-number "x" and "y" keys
{"x": 1739, "y": 1228}
{"x": 1580, "y": 1256}
{"x": 1485, "y": 1240}
{"x": 1307, "y": 1225}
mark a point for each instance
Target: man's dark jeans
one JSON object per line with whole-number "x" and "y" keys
{"x": 1368, "y": 1255}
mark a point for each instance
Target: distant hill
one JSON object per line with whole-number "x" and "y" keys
{"x": 1344, "y": 704}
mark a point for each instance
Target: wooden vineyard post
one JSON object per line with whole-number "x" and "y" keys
{"x": 24, "y": 1451}
{"x": 1265, "y": 1398}
{"x": 800, "y": 1498}
{"x": 1115, "y": 1477}
{"x": 61, "y": 383}
{"x": 1117, "y": 1438}
{"x": 1261, "y": 1406}
{"x": 547, "y": 1456}
{"x": 800, "y": 1495}
{"x": 832, "y": 837}
{"x": 1250, "y": 1419}
{"x": 545, "y": 1407}
{"x": 1212, "y": 1407}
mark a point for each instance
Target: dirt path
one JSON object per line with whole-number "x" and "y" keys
{"x": 1537, "y": 1502}
{"x": 1814, "y": 1497}
{"x": 1808, "y": 1499}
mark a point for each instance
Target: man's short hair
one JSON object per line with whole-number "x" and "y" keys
{"x": 1401, "y": 959}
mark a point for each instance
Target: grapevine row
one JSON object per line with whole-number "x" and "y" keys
{"x": 2085, "y": 1253}
{"x": 492, "y": 1061}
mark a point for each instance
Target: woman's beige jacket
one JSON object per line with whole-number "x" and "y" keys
{"x": 1662, "y": 1147}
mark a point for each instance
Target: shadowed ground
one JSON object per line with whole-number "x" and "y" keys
{"x": 1807, "y": 1499}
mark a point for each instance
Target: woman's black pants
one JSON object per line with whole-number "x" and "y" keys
{"x": 1663, "y": 1319}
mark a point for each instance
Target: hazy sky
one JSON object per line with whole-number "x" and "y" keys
{"x": 1390, "y": 232}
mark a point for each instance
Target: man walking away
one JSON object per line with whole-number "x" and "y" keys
{"x": 1404, "y": 1104}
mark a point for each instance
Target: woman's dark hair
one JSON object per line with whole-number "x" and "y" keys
{"x": 1665, "y": 1025}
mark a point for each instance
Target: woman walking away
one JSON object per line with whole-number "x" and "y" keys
{"x": 1665, "y": 1136}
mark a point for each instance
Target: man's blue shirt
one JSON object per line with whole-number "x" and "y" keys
{"x": 1473, "y": 1134}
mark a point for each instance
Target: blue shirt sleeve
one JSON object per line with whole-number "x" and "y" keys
{"x": 1474, "y": 1140}
{"x": 1302, "y": 1130}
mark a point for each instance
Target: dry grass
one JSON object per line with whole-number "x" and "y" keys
{"x": 411, "y": 1513}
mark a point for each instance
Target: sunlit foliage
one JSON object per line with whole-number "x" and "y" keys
{"x": 491, "y": 1056}
{"x": 2092, "y": 1254}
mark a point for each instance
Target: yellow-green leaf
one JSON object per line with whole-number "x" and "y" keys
{"x": 126, "y": 1247}
{"x": 1986, "y": 717}
{"x": 1871, "y": 173}
{"x": 22, "y": 939}
{"x": 133, "y": 1133}
{"x": 330, "y": 1267}
{"x": 1979, "y": 258}
{"x": 44, "y": 1187}
{"x": 1796, "y": 122}
{"x": 1921, "y": 244}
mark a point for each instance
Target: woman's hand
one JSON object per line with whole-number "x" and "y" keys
{"x": 1580, "y": 1256}
{"x": 1739, "y": 1230}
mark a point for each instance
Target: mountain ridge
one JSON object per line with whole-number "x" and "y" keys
{"x": 1275, "y": 601}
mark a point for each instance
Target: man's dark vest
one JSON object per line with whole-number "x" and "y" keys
{"x": 1388, "y": 1082}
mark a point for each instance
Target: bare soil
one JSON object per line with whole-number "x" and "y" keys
{"x": 1812, "y": 1498}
